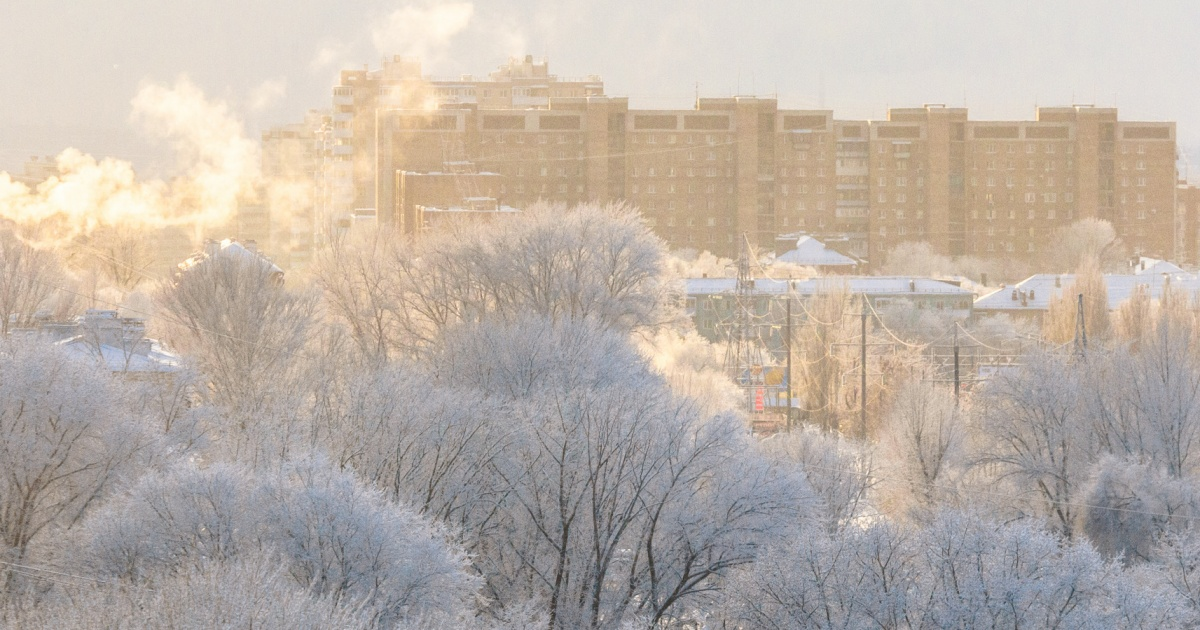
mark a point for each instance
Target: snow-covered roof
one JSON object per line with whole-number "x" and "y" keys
{"x": 1155, "y": 267}
{"x": 146, "y": 358}
{"x": 870, "y": 285}
{"x": 232, "y": 249}
{"x": 1034, "y": 293}
{"x": 810, "y": 252}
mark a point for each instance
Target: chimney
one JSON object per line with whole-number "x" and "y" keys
{"x": 983, "y": 279}
{"x": 912, "y": 285}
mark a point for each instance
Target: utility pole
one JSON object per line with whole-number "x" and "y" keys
{"x": 862, "y": 403}
{"x": 1080, "y": 326}
{"x": 956, "y": 381}
{"x": 787, "y": 338}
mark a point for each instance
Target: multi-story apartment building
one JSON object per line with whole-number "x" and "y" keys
{"x": 399, "y": 84}
{"x": 705, "y": 175}
{"x": 1188, "y": 211}
{"x": 1002, "y": 188}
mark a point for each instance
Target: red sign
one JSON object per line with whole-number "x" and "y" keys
{"x": 758, "y": 399}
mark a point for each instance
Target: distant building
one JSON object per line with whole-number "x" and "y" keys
{"x": 472, "y": 211}
{"x": 119, "y": 344}
{"x": 712, "y": 302}
{"x": 807, "y": 251}
{"x": 520, "y": 84}
{"x": 231, "y": 249}
{"x": 727, "y": 166}
{"x": 1030, "y": 298}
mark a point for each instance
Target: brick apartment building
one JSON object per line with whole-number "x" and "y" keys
{"x": 703, "y": 176}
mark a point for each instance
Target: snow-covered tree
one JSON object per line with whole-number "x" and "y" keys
{"x": 243, "y": 327}
{"x": 1033, "y": 432}
{"x": 66, "y": 438}
{"x": 961, "y": 571}
{"x": 335, "y": 538}
{"x": 924, "y": 443}
{"x": 29, "y": 278}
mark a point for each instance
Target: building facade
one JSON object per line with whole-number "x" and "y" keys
{"x": 703, "y": 176}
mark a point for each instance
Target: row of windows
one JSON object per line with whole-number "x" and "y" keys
{"x": 1010, "y": 181}
{"x": 691, "y": 221}
{"x": 650, "y": 138}
{"x": 541, "y": 138}
{"x": 1030, "y": 147}
{"x": 1030, "y": 165}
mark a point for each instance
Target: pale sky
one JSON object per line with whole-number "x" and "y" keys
{"x": 70, "y": 69}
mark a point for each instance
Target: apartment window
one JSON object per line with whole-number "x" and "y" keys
{"x": 1030, "y": 148}
{"x": 901, "y": 198}
{"x": 650, "y": 139}
{"x": 883, "y": 230}
{"x": 1030, "y": 197}
{"x": 901, "y": 231}
{"x": 670, "y": 221}
{"x": 882, "y": 197}
{"x": 991, "y": 181}
{"x": 1141, "y": 149}
{"x": 1141, "y": 165}
{"x": 1141, "y": 198}
{"x": 1030, "y": 215}
{"x": 1068, "y": 197}
{"x": 691, "y": 222}
{"x": 1049, "y": 197}
{"x": 671, "y": 139}
{"x": 883, "y": 181}
{"x": 901, "y": 181}
{"x": 1141, "y": 181}
{"x": 710, "y": 222}
{"x": 651, "y": 188}
{"x": 991, "y": 147}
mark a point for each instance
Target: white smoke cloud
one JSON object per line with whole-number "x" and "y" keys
{"x": 220, "y": 167}
{"x": 421, "y": 31}
{"x": 268, "y": 93}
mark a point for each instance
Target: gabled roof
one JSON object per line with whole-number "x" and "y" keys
{"x": 870, "y": 285}
{"x": 810, "y": 252}
{"x": 1033, "y": 294}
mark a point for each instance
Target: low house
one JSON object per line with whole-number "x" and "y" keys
{"x": 1030, "y": 298}
{"x": 713, "y": 302}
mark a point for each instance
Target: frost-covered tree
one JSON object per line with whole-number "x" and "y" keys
{"x": 243, "y": 327}
{"x": 29, "y": 278}
{"x": 961, "y": 571}
{"x": 924, "y": 441}
{"x": 840, "y": 471}
{"x": 599, "y": 264}
{"x": 1034, "y": 433}
{"x": 250, "y": 591}
{"x": 66, "y": 438}
{"x": 333, "y": 537}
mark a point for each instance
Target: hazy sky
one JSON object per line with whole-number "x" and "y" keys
{"x": 70, "y": 69}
